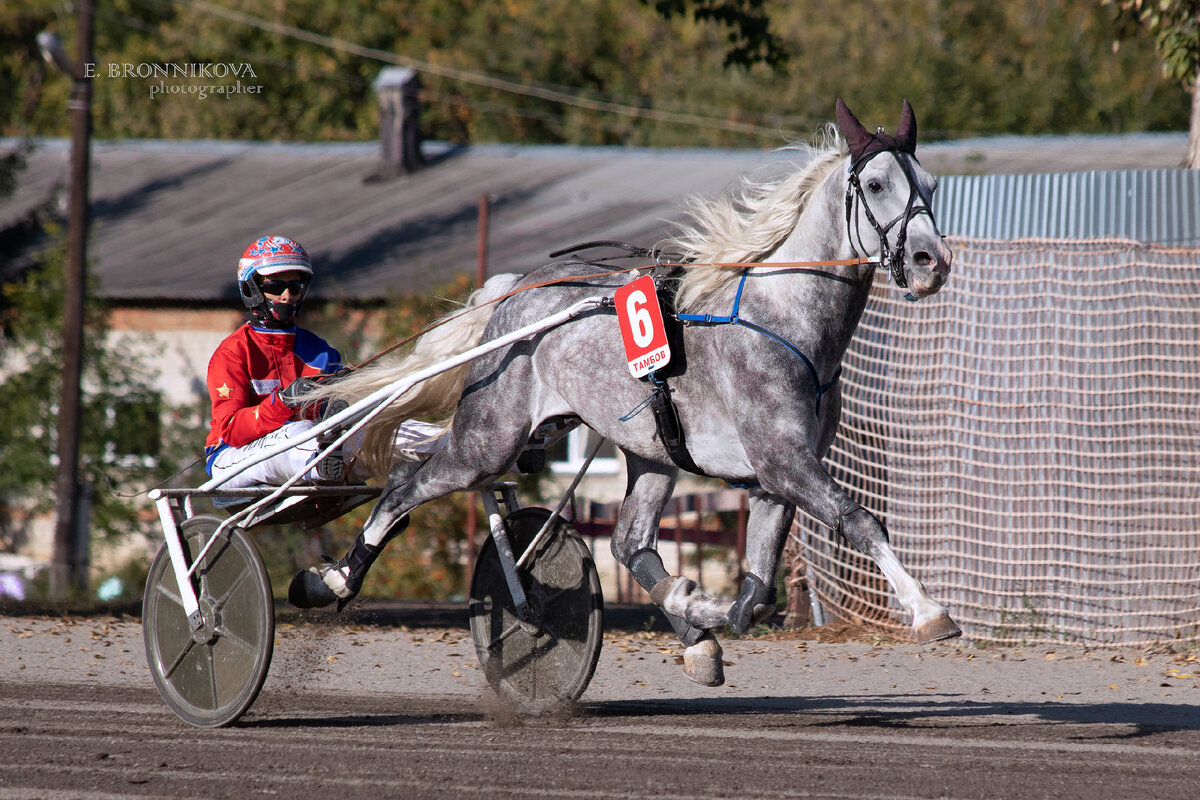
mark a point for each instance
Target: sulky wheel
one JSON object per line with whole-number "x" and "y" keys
{"x": 211, "y": 676}
{"x": 544, "y": 662}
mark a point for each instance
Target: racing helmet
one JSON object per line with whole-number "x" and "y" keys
{"x": 270, "y": 255}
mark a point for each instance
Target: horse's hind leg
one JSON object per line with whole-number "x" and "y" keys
{"x": 472, "y": 455}
{"x": 767, "y": 528}
{"x": 634, "y": 545}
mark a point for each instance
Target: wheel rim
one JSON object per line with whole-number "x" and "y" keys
{"x": 210, "y": 677}
{"x": 546, "y": 661}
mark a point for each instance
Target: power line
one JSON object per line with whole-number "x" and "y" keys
{"x": 483, "y": 106}
{"x": 139, "y": 25}
{"x": 480, "y": 79}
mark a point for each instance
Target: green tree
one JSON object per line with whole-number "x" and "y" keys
{"x": 1175, "y": 25}
{"x": 750, "y": 38}
{"x": 604, "y": 72}
{"x": 124, "y": 425}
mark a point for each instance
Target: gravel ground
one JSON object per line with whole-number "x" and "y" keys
{"x": 320, "y": 652}
{"x": 394, "y": 705}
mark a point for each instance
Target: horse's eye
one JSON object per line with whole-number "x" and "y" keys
{"x": 875, "y": 186}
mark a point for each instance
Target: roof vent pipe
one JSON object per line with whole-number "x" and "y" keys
{"x": 399, "y": 90}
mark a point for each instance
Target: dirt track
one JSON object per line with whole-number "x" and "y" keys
{"x": 379, "y": 711}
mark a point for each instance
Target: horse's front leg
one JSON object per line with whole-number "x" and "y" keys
{"x": 808, "y": 484}
{"x": 634, "y": 544}
{"x": 767, "y": 527}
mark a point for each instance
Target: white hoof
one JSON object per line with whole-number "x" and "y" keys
{"x": 702, "y": 661}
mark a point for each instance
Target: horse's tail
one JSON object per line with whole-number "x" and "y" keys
{"x": 435, "y": 397}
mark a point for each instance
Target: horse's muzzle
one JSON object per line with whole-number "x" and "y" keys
{"x": 929, "y": 269}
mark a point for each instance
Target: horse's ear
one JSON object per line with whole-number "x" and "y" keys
{"x": 857, "y": 137}
{"x": 906, "y": 131}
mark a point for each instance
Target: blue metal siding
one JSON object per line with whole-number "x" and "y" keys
{"x": 1155, "y": 206}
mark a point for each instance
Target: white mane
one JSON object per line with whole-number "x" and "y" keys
{"x": 748, "y": 224}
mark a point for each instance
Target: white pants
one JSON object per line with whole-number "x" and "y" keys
{"x": 279, "y": 469}
{"x": 276, "y": 470}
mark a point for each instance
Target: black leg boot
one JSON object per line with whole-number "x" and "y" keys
{"x": 319, "y": 586}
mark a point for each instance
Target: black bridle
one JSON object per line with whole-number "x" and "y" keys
{"x": 893, "y": 260}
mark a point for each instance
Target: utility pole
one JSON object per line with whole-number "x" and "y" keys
{"x": 69, "y": 572}
{"x": 481, "y": 268}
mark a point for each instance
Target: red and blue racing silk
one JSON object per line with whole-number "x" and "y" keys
{"x": 247, "y": 372}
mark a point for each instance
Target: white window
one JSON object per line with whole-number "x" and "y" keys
{"x": 567, "y": 454}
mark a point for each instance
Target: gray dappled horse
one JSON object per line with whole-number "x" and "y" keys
{"x": 758, "y": 398}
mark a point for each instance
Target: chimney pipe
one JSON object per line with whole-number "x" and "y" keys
{"x": 399, "y": 91}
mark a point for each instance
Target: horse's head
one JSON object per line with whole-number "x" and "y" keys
{"x": 889, "y": 196}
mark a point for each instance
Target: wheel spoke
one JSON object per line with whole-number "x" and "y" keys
{"x": 212, "y": 674}
{"x": 210, "y": 561}
{"x": 549, "y": 630}
{"x": 219, "y": 602}
{"x": 546, "y": 601}
{"x": 170, "y": 670}
{"x": 237, "y": 641}
{"x": 516, "y": 626}
{"x": 169, "y": 592}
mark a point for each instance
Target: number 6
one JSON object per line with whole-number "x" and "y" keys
{"x": 640, "y": 323}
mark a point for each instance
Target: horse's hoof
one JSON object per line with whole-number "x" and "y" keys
{"x": 702, "y": 661}
{"x": 308, "y": 590}
{"x": 936, "y": 629}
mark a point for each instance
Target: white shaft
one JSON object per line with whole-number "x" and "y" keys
{"x": 391, "y": 392}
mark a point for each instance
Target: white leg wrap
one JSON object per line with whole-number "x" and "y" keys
{"x": 335, "y": 579}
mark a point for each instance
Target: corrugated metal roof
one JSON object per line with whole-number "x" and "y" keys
{"x": 1160, "y": 206}
{"x": 171, "y": 217}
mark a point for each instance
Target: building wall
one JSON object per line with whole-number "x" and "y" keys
{"x": 175, "y": 344}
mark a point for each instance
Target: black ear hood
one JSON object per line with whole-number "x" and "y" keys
{"x": 863, "y": 143}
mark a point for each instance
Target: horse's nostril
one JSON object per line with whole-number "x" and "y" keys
{"x": 923, "y": 258}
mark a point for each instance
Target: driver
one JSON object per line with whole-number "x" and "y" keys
{"x": 258, "y": 374}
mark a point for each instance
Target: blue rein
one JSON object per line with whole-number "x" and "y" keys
{"x": 734, "y": 319}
